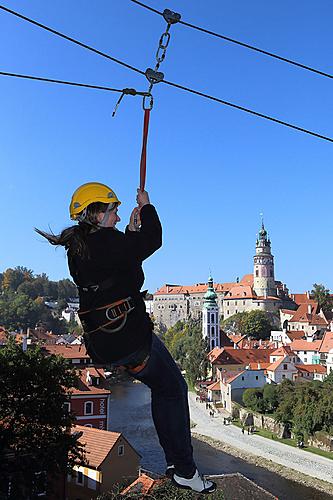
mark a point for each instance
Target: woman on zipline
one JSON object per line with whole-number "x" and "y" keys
{"x": 106, "y": 265}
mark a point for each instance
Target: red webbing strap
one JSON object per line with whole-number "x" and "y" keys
{"x": 144, "y": 150}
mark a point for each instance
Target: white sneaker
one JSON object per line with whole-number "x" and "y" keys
{"x": 170, "y": 471}
{"x": 196, "y": 483}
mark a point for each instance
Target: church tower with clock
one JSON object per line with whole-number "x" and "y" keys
{"x": 263, "y": 276}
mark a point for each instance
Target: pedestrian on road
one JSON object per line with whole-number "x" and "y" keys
{"x": 243, "y": 430}
{"x": 106, "y": 265}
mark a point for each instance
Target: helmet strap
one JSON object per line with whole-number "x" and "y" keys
{"x": 106, "y": 215}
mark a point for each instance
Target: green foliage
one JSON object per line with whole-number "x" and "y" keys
{"x": 253, "y": 399}
{"x": 307, "y": 406}
{"x": 22, "y": 296}
{"x": 271, "y": 397}
{"x": 189, "y": 349}
{"x": 322, "y": 295}
{"x": 34, "y": 426}
{"x": 254, "y": 324}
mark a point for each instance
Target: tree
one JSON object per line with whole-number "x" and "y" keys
{"x": 271, "y": 398}
{"x": 257, "y": 325}
{"x": 253, "y": 399}
{"x": 321, "y": 294}
{"x": 34, "y": 425}
{"x": 66, "y": 289}
{"x": 254, "y": 324}
{"x": 12, "y": 278}
{"x": 189, "y": 349}
{"x": 234, "y": 324}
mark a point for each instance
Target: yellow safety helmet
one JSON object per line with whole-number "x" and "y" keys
{"x": 88, "y": 193}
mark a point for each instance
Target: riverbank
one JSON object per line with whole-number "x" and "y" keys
{"x": 290, "y": 463}
{"x": 285, "y": 472}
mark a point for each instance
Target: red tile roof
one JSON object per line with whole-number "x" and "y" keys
{"x": 282, "y": 351}
{"x": 300, "y": 298}
{"x": 241, "y": 291}
{"x": 303, "y": 345}
{"x": 198, "y": 288}
{"x": 311, "y": 368}
{"x": 143, "y": 485}
{"x": 272, "y": 367}
{"x": 231, "y": 379}
{"x": 295, "y": 334}
{"x": 327, "y": 342}
{"x": 215, "y": 386}
{"x": 98, "y": 443}
{"x": 85, "y": 387}
{"x": 230, "y": 356}
{"x": 68, "y": 351}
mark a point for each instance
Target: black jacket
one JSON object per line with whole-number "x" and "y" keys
{"x": 118, "y": 256}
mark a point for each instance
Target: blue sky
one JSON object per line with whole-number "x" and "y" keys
{"x": 211, "y": 169}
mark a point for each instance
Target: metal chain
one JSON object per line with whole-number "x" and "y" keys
{"x": 153, "y": 75}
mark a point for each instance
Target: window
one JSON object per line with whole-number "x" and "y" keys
{"x": 67, "y": 407}
{"x": 236, "y": 303}
{"x": 305, "y": 352}
{"x": 212, "y": 331}
{"x": 121, "y": 450}
{"x": 227, "y": 303}
{"x": 79, "y": 477}
{"x": 243, "y": 377}
{"x": 305, "y": 360}
{"x": 285, "y": 367}
{"x": 257, "y": 378}
{"x": 257, "y": 273}
{"x": 243, "y": 302}
{"x": 88, "y": 408}
{"x": 283, "y": 376}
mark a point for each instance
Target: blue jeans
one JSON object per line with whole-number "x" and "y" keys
{"x": 169, "y": 405}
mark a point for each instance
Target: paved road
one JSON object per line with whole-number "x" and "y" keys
{"x": 300, "y": 460}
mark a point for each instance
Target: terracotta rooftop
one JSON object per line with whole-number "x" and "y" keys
{"x": 202, "y": 287}
{"x": 242, "y": 356}
{"x": 276, "y": 364}
{"x": 300, "y": 298}
{"x": 295, "y": 334}
{"x": 231, "y": 379}
{"x": 143, "y": 485}
{"x": 215, "y": 386}
{"x": 288, "y": 311}
{"x": 303, "y": 345}
{"x": 68, "y": 351}
{"x": 311, "y": 368}
{"x": 85, "y": 387}
{"x": 98, "y": 443}
{"x": 327, "y": 342}
{"x": 241, "y": 291}
{"x": 282, "y": 351}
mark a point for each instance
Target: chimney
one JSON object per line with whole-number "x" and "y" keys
{"x": 309, "y": 309}
{"x": 88, "y": 378}
{"x": 308, "y": 294}
{"x": 259, "y": 366}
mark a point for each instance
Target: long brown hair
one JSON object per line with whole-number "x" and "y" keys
{"x": 74, "y": 238}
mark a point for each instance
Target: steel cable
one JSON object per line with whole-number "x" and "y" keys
{"x": 243, "y": 44}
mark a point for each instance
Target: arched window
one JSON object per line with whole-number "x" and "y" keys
{"x": 212, "y": 318}
{"x": 212, "y": 331}
{"x": 88, "y": 408}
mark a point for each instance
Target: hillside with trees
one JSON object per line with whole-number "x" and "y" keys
{"x": 305, "y": 407}
{"x": 255, "y": 324}
{"x": 22, "y": 300}
{"x": 184, "y": 341}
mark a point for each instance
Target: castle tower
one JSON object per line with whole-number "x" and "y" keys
{"x": 264, "y": 281}
{"x": 211, "y": 317}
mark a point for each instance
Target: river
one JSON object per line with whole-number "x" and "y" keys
{"x": 130, "y": 414}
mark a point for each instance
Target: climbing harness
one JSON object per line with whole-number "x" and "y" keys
{"x": 115, "y": 314}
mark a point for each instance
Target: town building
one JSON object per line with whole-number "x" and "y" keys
{"x": 232, "y": 387}
{"x": 256, "y": 291}
{"x": 211, "y": 317}
{"x": 111, "y": 460}
{"x": 90, "y": 401}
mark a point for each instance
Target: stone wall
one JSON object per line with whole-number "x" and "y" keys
{"x": 262, "y": 422}
{"x": 322, "y": 441}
